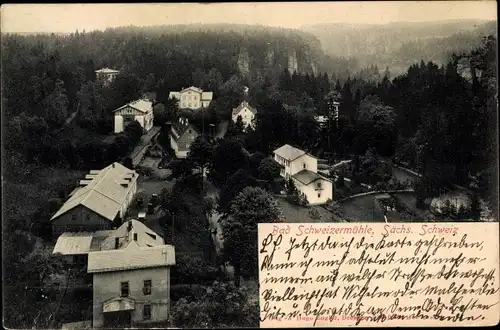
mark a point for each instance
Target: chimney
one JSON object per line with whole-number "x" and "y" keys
{"x": 135, "y": 237}
{"x": 113, "y": 165}
{"x": 117, "y": 243}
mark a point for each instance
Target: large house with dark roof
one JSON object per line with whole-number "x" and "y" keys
{"x": 182, "y": 135}
{"x": 302, "y": 168}
{"x": 192, "y": 98}
{"x": 139, "y": 110}
{"x": 100, "y": 199}
{"x": 247, "y": 114}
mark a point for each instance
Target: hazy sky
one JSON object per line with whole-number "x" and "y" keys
{"x": 69, "y": 17}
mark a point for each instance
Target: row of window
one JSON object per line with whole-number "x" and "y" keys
{"x": 125, "y": 290}
{"x": 189, "y": 97}
{"x": 283, "y": 160}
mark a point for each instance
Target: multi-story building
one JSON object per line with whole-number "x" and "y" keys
{"x": 139, "y": 110}
{"x": 302, "y": 168}
{"x": 192, "y": 98}
{"x": 101, "y": 199}
{"x": 182, "y": 135}
{"x": 129, "y": 269}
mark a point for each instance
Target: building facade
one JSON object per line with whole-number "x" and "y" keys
{"x": 131, "y": 286}
{"x": 106, "y": 75}
{"x": 192, "y": 98}
{"x": 182, "y": 135}
{"x": 101, "y": 199}
{"x": 247, "y": 114}
{"x": 302, "y": 168}
{"x": 139, "y": 110}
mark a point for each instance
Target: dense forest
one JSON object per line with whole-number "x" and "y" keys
{"x": 429, "y": 118}
{"x": 399, "y": 45}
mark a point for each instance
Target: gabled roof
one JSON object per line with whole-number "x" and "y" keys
{"x": 104, "y": 191}
{"x": 107, "y": 70}
{"x": 151, "y": 96}
{"x": 288, "y": 152}
{"x": 143, "y": 106}
{"x": 306, "y": 177}
{"x": 243, "y": 105}
{"x": 192, "y": 88}
{"x": 125, "y": 233}
{"x": 180, "y": 127}
{"x": 131, "y": 258}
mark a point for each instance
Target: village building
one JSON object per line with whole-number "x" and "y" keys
{"x": 100, "y": 200}
{"x": 139, "y": 110}
{"x": 182, "y": 135}
{"x": 192, "y": 98}
{"x": 302, "y": 168}
{"x": 129, "y": 269}
{"x": 131, "y": 281}
{"x": 106, "y": 75}
{"x": 247, "y": 114}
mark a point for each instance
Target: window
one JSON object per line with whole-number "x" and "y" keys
{"x": 319, "y": 195}
{"x": 124, "y": 289}
{"x": 146, "y": 312}
{"x": 87, "y": 217}
{"x": 146, "y": 290}
{"x": 303, "y": 165}
{"x": 189, "y": 131}
{"x": 73, "y": 217}
{"x": 189, "y": 104}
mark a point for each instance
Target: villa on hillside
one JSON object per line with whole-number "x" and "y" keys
{"x": 101, "y": 199}
{"x": 247, "y": 114}
{"x": 182, "y": 135}
{"x": 192, "y": 98}
{"x": 302, "y": 168}
{"x": 106, "y": 75}
{"x": 129, "y": 269}
{"x": 139, "y": 110}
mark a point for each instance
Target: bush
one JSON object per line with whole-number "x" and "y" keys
{"x": 190, "y": 292}
{"x": 194, "y": 270}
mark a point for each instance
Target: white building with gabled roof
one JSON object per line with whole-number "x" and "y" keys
{"x": 139, "y": 110}
{"x": 247, "y": 114}
{"x": 192, "y": 98}
{"x": 302, "y": 168}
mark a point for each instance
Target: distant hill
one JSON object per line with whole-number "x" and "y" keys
{"x": 400, "y": 44}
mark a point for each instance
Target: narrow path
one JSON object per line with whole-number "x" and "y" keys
{"x": 140, "y": 149}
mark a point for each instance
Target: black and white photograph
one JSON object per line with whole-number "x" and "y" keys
{"x": 142, "y": 144}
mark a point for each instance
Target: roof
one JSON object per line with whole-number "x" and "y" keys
{"x": 118, "y": 304}
{"x": 243, "y": 105}
{"x": 192, "y": 88}
{"x": 107, "y": 70}
{"x": 288, "y": 152}
{"x": 70, "y": 243}
{"x": 104, "y": 193}
{"x": 306, "y": 177}
{"x": 131, "y": 258}
{"x": 180, "y": 127}
{"x": 143, "y": 106}
{"x": 145, "y": 236}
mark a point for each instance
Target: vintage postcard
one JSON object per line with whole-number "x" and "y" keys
{"x": 227, "y": 165}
